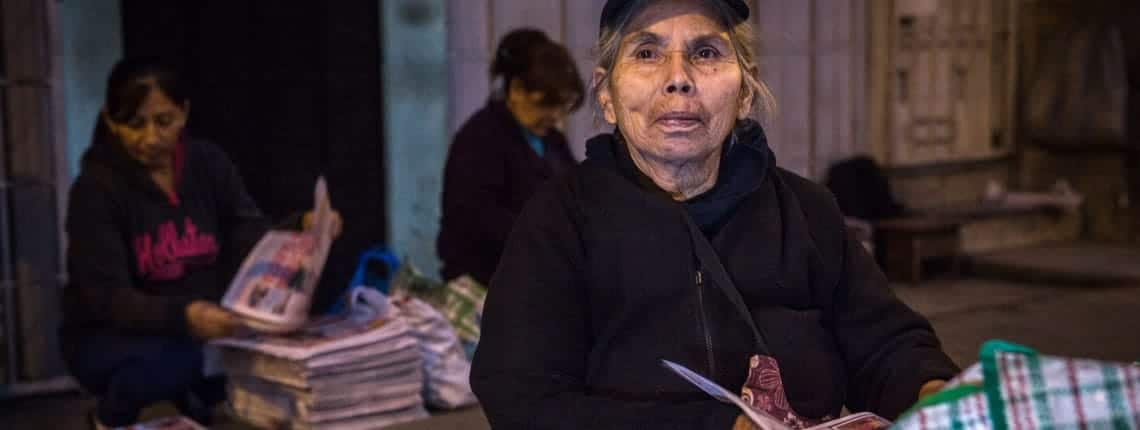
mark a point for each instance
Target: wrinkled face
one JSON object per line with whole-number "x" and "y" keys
{"x": 675, "y": 89}
{"x": 152, "y": 133}
{"x": 533, "y": 112}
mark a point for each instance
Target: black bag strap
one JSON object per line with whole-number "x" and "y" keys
{"x": 711, "y": 262}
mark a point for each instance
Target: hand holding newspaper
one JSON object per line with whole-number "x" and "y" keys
{"x": 273, "y": 288}
{"x": 763, "y": 421}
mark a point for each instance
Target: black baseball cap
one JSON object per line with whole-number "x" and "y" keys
{"x": 615, "y": 9}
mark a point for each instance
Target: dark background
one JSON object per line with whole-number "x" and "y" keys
{"x": 290, "y": 92}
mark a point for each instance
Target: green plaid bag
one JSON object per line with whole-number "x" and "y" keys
{"x": 1013, "y": 387}
{"x": 460, "y": 301}
{"x": 463, "y": 306}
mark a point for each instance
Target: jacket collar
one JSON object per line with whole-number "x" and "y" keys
{"x": 745, "y": 164}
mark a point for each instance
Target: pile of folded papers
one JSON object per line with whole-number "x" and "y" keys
{"x": 358, "y": 370}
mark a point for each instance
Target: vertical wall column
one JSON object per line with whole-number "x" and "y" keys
{"x": 29, "y": 241}
{"x": 415, "y": 73}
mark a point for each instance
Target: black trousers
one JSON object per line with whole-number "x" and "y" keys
{"x": 126, "y": 373}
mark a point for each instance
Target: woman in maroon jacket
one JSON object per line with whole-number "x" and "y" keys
{"x": 505, "y": 150}
{"x": 151, "y": 217}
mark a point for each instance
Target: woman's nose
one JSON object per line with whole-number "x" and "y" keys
{"x": 151, "y": 134}
{"x": 682, "y": 87}
{"x": 680, "y": 80}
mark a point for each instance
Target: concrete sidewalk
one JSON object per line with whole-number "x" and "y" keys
{"x": 1100, "y": 323}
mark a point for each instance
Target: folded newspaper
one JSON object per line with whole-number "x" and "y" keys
{"x": 763, "y": 421}
{"x": 273, "y": 288}
{"x": 358, "y": 369}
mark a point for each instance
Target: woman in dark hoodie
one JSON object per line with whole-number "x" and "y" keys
{"x": 152, "y": 216}
{"x": 505, "y": 150}
{"x": 679, "y": 238}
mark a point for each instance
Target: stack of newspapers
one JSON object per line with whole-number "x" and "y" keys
{"x": 358, "y": 370}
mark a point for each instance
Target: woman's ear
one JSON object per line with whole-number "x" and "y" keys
{"x": 601, "y": 86}
{"x": 106, "y": 118}
{"x": 515, "y": 90}
{"x": 749, "y": 95}
{"x": 744, "y": 110}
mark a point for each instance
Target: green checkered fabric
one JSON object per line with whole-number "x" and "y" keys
{"x": 463, "y": 306}
{"x": 1022, "y": 390}
{"x": 460, "y": 301}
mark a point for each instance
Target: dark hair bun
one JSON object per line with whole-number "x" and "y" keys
{"x": 528, "y": 57}
{"x": 515, "y": 50}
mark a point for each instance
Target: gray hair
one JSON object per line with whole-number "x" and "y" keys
{"x": 741, "y": 35}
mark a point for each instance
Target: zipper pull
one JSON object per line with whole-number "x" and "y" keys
{"x": 700, "y": 278}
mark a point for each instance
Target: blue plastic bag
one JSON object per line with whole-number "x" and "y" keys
{"x": 374, "y": 269}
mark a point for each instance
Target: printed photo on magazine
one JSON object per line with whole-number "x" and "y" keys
{"x": 274, "y": 285}
{"x": 763, "y": 421}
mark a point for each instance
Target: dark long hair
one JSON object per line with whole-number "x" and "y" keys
{"x": 539, "y": 64}
{"x": 128, "y": 85}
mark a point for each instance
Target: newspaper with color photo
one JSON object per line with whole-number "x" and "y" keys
{"x": 763, "y": 421}
{"x": 273, "y": 288}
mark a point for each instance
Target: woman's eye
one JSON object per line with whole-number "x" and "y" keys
{"x": 707, "y": 53}
{"x": 136, "y": 123}
{"x": 644, "y": 54}
{"x": 164, "y": 120}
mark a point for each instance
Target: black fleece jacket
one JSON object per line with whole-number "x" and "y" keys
{"x": 137, "y": 256}
{"x": 597, "y": 285}
{"x": 491, "y": 172}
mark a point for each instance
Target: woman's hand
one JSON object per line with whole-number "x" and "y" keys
{"x": 743, "y": 423}
{"x": 930, "y": 387}
{"x": 207, "y": 321}
{"x": 307, "y": 221}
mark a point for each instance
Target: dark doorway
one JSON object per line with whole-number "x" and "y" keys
{"x": 291, "y": 90}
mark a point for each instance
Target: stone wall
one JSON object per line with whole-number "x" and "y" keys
{"x": 1102, "y": 177}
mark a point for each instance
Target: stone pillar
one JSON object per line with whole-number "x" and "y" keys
{"x": 30, "y": 243}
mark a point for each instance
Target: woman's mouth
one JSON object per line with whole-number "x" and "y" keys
{"x": 678, "y": 122}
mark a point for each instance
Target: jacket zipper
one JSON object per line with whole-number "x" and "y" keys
{"x": 705, "y": 322}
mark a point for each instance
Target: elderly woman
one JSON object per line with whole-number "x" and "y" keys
{"x": 679, "y": 238}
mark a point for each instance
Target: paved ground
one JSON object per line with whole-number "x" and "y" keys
{"x": 1099, "y": 323}
{"x": 1078, "y": 263}
{"x": 1080, "y": 321}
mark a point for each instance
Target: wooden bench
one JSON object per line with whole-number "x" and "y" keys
{"x": 909, "y": 241}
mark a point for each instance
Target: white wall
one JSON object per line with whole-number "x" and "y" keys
{"x": 415, "y": 72}
{"x": 91, "y": 43}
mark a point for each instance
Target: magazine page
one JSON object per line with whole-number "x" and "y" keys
{"x": 397, "y": 354}
{"x": 370, "y": 320}
{"x": 273, "y": 288}
{"x": 763, "y": 421}
{"x": 281, "y": 406}
{"x": 321, "y": 338}
{"x": 268, "y": 370}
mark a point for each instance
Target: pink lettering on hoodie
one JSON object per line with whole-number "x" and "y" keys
{"x": 167, "y": 257}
